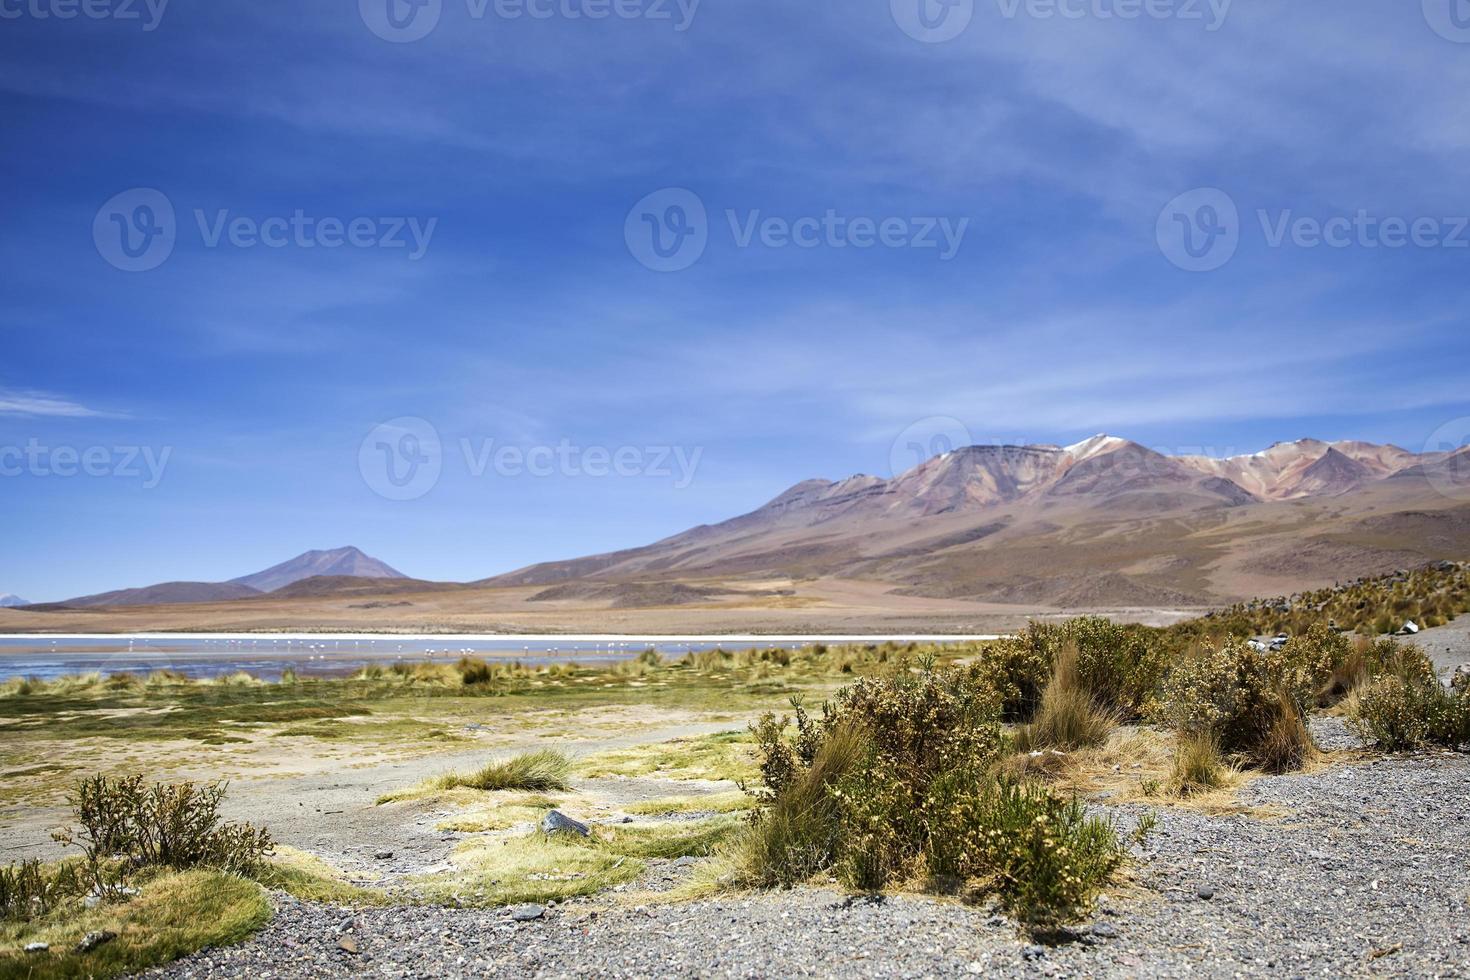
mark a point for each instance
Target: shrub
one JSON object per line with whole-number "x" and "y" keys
{"x": 1039, "y": 853}
{"x": 540, "y": 771}
{"x": 30, "y": 889}
{"x": 126, "y": 825}
{"x": 1399, "y": 712}
{"x": 1120, "y": 666}
{"x": 1253, "y": 702}
{"x": 795, "y": 835}
{"x": 846, "y": 793}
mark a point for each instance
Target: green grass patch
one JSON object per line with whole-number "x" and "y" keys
{"x": 726, "y": 755}
{"x": 175, "y": 914}
{"x": 311, "y": 879}
{"x": 732, "y": 802}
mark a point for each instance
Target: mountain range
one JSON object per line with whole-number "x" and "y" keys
{"x": 348, "y": 562}
{"x": 1103, "y": 523}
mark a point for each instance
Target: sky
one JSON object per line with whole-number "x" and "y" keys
{"x": 472, "y": 284}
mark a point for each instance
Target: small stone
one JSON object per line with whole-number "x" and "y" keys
{"x": 686, "y": 861}
{"x": 527, "y": 913}
{"x": 94, "y": 939}
{"x": 1205, "y": 892}
{"x": 347, "y": 944}
{"x": 37, "y": 947}
{"x": 1105, "y": 930}
{"x": 557, "y": 822}
{"x": 1033, "y": 953}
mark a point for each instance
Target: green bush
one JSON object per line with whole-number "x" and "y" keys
{"x": 1120, "y": 666}
{"x": 127, "y": 826}
{"x": 1252, "y": 702}
{"x": 1400, "y": 712}
{"x": 1039, "y": 853}
{"x": 897, "y": 781}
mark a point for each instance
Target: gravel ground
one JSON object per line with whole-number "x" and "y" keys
{"x": 1366, "y": 873}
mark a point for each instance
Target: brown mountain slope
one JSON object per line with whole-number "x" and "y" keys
{"x": 1106, "y": 521}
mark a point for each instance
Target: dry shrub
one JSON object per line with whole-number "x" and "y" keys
{"x": 1252, "y": 702}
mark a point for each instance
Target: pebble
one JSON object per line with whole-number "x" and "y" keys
{"x": 527, "y": 913}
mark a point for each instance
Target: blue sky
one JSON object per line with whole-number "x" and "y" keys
{"x": 519, "y": 148}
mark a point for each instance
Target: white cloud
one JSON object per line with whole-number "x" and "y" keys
{"x": 36, "y": 404}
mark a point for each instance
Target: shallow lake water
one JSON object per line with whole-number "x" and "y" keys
{"x": 48, "y": 657}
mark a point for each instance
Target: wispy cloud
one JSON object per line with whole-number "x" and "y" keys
{"x": 41, "y": 404}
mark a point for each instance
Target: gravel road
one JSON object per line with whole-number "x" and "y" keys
{"x": 1365, "y": 874}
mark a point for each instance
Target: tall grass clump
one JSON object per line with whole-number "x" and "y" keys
{"x": 544, "y": 770}
{"x": 1069, "y": 716}
{"x": 1198, "y": 765}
